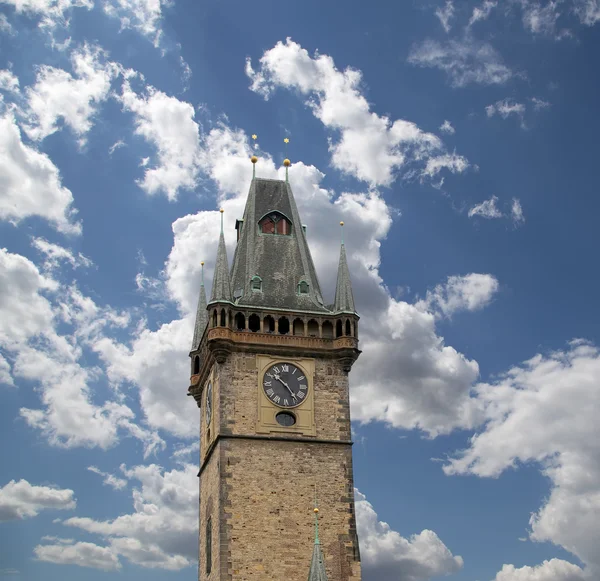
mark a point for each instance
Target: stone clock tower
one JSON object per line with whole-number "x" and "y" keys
{"x": 270, "y": 363}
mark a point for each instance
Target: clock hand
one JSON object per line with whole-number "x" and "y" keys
{"x": 286, "y": 385}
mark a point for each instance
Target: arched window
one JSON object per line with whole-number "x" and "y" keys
{"x": 196, "y": 365}
{"x": 223, "y": 317}
{"x": 214, "y": 319}
{"x": 208, "y": 545}
{"x": 298, "y": 327}
{"x": 240, "y": 322}
{"x": 284, "y": 326}
{"x": 269, "y": 324}
{"x": 303, "y": 288}
{"x": 254, "y": 323}
{"x": 327, "y": 330}
{"x": 313, "y": 328}
{"x": 348, "y": 327}
{"x": 275, "y": 223}
{"x": 256, "y": 283}
{"x": 339, "y": 329}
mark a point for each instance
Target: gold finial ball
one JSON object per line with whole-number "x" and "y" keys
{"x": 316, "y": 510}
{"x": 341, "y": 223}
{"x": 202, "y": 263}
{"x": 287, "y": 162}
{"x": 221, "y": 210}
{"x": 254, "y": 159}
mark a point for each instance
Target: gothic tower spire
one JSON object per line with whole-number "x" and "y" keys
{"x": 201, "y": 314}
{"x": 344, "y": 299}
{"x": 221, "y": 289}
{"x": 317, "y": 566}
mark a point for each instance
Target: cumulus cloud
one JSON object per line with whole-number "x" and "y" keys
{"x": 168, "y": 125}
{"x": 482, "y": 12}
{"x": 145, "y": 16}
{"x": 552, "y": 570}
{"x": 487, "y": 209}
{"x": 388, "y": 556}
{"x": 544, "y": 412}
{"x": 30, "y": 311}
{"x": 19, "y": 500}
{"x": 446, "y": 127}
{"x": 445, "y": 14}
{"x": 8, "y": 81}
{"x": 516, "y": 212}
{"x": 460, "y": 293}
{"x": 81, "y": 554}
{"x": 109, "y": 479}
{"x": 466, "y": 61}
{"x": 370, "y": 147}
{"x": 50, "y": 12}
{"x": 57, "y": 255}
{"x": 162, "y": 530}
{"x": 30, "y": 183}
{"x": 588, "y": 11}
{"x": 58, "y": 96}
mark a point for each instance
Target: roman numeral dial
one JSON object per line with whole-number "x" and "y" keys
{"x": 285, "y": 385}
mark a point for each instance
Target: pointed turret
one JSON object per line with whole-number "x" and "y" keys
{"x": 201, "y": 314}
{"x": 317, "y": 565}
{"x": 344, "y": 299}
{"x": 221, "y": 289}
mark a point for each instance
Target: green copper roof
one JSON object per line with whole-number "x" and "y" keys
{"x": 221, "y": 289}
{"x": 282, "y": 261}
{"x": 317, "y": 565}
{"x": 344, "y": 299}
{"x": 201, "y": 316}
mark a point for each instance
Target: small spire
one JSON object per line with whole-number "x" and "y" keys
{"x": 344, "y": 298}
{"x": 317, "y": 565}
{"x": 201, "y": 314}
{"x": 221, "y": 289}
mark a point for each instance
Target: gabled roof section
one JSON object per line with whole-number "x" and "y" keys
{"x": 201, "y": 316}
{"x": 281, "y": 261}
{"x": 344, "y": 299}
{"x": 221, "y": 289}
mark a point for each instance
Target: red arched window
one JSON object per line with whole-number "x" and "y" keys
{"x": 275, "y": 223}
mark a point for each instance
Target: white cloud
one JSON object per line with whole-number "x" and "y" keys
{"x": 487, "y": 209}
{"x": 59, "y": 96}
{"x": 30, "y": 311}
{"x": 116, "y": 145}
{"x": 446, "y": 127}
{"x": 8, "y": 81}
{"x": 538, "y": 18}
{"x": 460, "y": 293}
{"x": 370, "y": 147}
{"x": 505, "y": 108}
{"x": 30, "y": 183}
{"x": 57, "y": 255}
{"x": 145, "y": 16}
{"x": 81, "y": 554}
{"x": 588, "y": 11}
{"x": 162, "y": 531}
{"x": 51, "y": 12}
{"x": 465, "y": 61}
{"x": 482, "y": 12}
{"x": 388, "y": 556}
{"x": 5, "y": 376}
{"x": 450, "y": 161}
{"x": 540, "y": 104}
{"x": 516, "y": 212}
{"x": 445, "y": 14}
{"x": 109, "y": 479}
{"x": 544, "y": 412}
{"x": 5, "y": 25}
{"x": 20, "y": 500}
{"x": 552, "y": 570}
{"x": 168, "y": 124}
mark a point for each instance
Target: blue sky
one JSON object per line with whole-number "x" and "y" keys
{"x": 457, "y": 143}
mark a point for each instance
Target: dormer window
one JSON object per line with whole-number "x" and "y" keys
{"x": 303, "y": 288}
{"x": 256, "y": 284}
{"x": 275, "y": 223}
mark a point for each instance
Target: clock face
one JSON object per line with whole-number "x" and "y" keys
{"x": 208, "y": 403}
{"x": 285, "y": 385}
